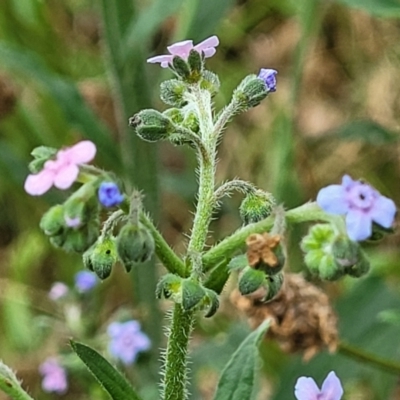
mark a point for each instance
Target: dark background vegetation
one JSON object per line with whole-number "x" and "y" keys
{"x": 77, "y": 69}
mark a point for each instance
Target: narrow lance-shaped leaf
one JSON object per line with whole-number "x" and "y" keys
{"x": 237, "y": 379}
{"x": 108, "y": 377}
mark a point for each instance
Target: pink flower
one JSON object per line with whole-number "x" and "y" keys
{"x": 62, "y": 171}
{"x": 182, "y": 49}
{"x": 307, "y": 389}
{"x": 54, "y": 376}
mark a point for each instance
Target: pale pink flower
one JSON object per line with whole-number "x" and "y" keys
{"x": 182, "y": 49}
{"x": 62, "y": 171}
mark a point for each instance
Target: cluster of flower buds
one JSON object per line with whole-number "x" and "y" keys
{"x": 330, "y": 255}
{"x": 188, "y": 292}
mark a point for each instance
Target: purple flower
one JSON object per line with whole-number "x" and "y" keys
{"x": 182, "y": 49}
{"x": 361, "y": 204}
{"x": 54, "y": 376}
{"x": 307, "y": 389}
{"x": 85, "y": 281}
{"x": 58, "y": 291}
{"x": 109, "y": 194}
{"x": 269, "y": 78}
{"x": 127, "y": 341}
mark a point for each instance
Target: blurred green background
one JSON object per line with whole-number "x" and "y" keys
{"x": 77, "y": 69}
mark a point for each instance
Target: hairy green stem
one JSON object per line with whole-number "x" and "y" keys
{"x": 9, "y": 384}
{"x": 227, "y": 247}
{"x": 360, "y": 355}
{"x": 164, "y": 253}
{"x": 175, "y": 377}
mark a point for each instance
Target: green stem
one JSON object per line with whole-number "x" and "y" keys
{"x": 175, "y": 377}
{"x": 164, "y": 253}
{"x": 9, "y": 384}
{"x": 227, "y": 247}
{"x": 360, "y": 355}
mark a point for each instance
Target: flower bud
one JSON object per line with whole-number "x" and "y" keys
{"x": 251, "y": 280}
{"x": 135, "y": 244}
{"x": 151, "y": 125}
{"x": 172, "y": 91}
{"x": 256, "y": 206}
{"x": 250, "y": 92}
{"x": 101, "y": 257}
{"x": 210, "y": 82}
{"x": 52, "y": 222}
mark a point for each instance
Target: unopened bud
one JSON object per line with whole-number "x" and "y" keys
{"x": 101, "y": 257}
{"x": 172, "y": 91}
{"x": 135, "y": 244}
{"x": 151, "y": 125}
{"x": 256, "y": 206}
{"x": 250, "y": 92}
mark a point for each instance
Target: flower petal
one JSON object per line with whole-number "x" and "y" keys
{"x": 358, "y": 225}
{"x": 306, "y": 389}
{"x": 161, "y": 59}
{"x": 383, "y": 211}
{"x": 66, "y": 176}
{"x": 331, "y": 388}
{"x": 208, "y": 43}
{"x": 181, "y": 49}
{"x": 40, "y": 183}
{"x": 82, "y": 152}
{"x": 332, "y": 199}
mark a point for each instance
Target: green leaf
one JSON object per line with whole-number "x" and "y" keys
{"x": 108, "y": 377}
{"x": 237, "y": 379}
{"x": 382, "y": 8}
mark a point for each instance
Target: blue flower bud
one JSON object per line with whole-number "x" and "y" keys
{"x": 269, "y": 78}
{"x": 109, "y": 194}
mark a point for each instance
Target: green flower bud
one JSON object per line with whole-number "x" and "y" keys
{"x": 52, "y": 222}
{"x": 250, "y": 92}
{"x": 196, "y": 64}
{"x": 151, "y": 125}
{"x": 256, "y": 206}
{"x": 172, "y": 91}
{"x": 273, "y": 285}
{"x": 101, "y": 257}
{"x": 135, "y": 244}
{"x": 192, "y": 293}
{"x": 319, "y": 257}
{"x": 251, "y": 280}
{"x": 181, "y": 68}
{"x": 170, "y": 287}
{"x": 210, "y": 82}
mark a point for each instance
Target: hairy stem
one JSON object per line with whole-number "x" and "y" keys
{"x": 175, "y": 377}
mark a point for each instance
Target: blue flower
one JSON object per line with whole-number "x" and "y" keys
{"x": 269, "y": 78}
{"x": 127, "y": 341}
{"x": 307, "y": 389}
{"x": 361, "y": 204}
{"x": 85, "y": 281}
{"x": 109, "y": 194}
